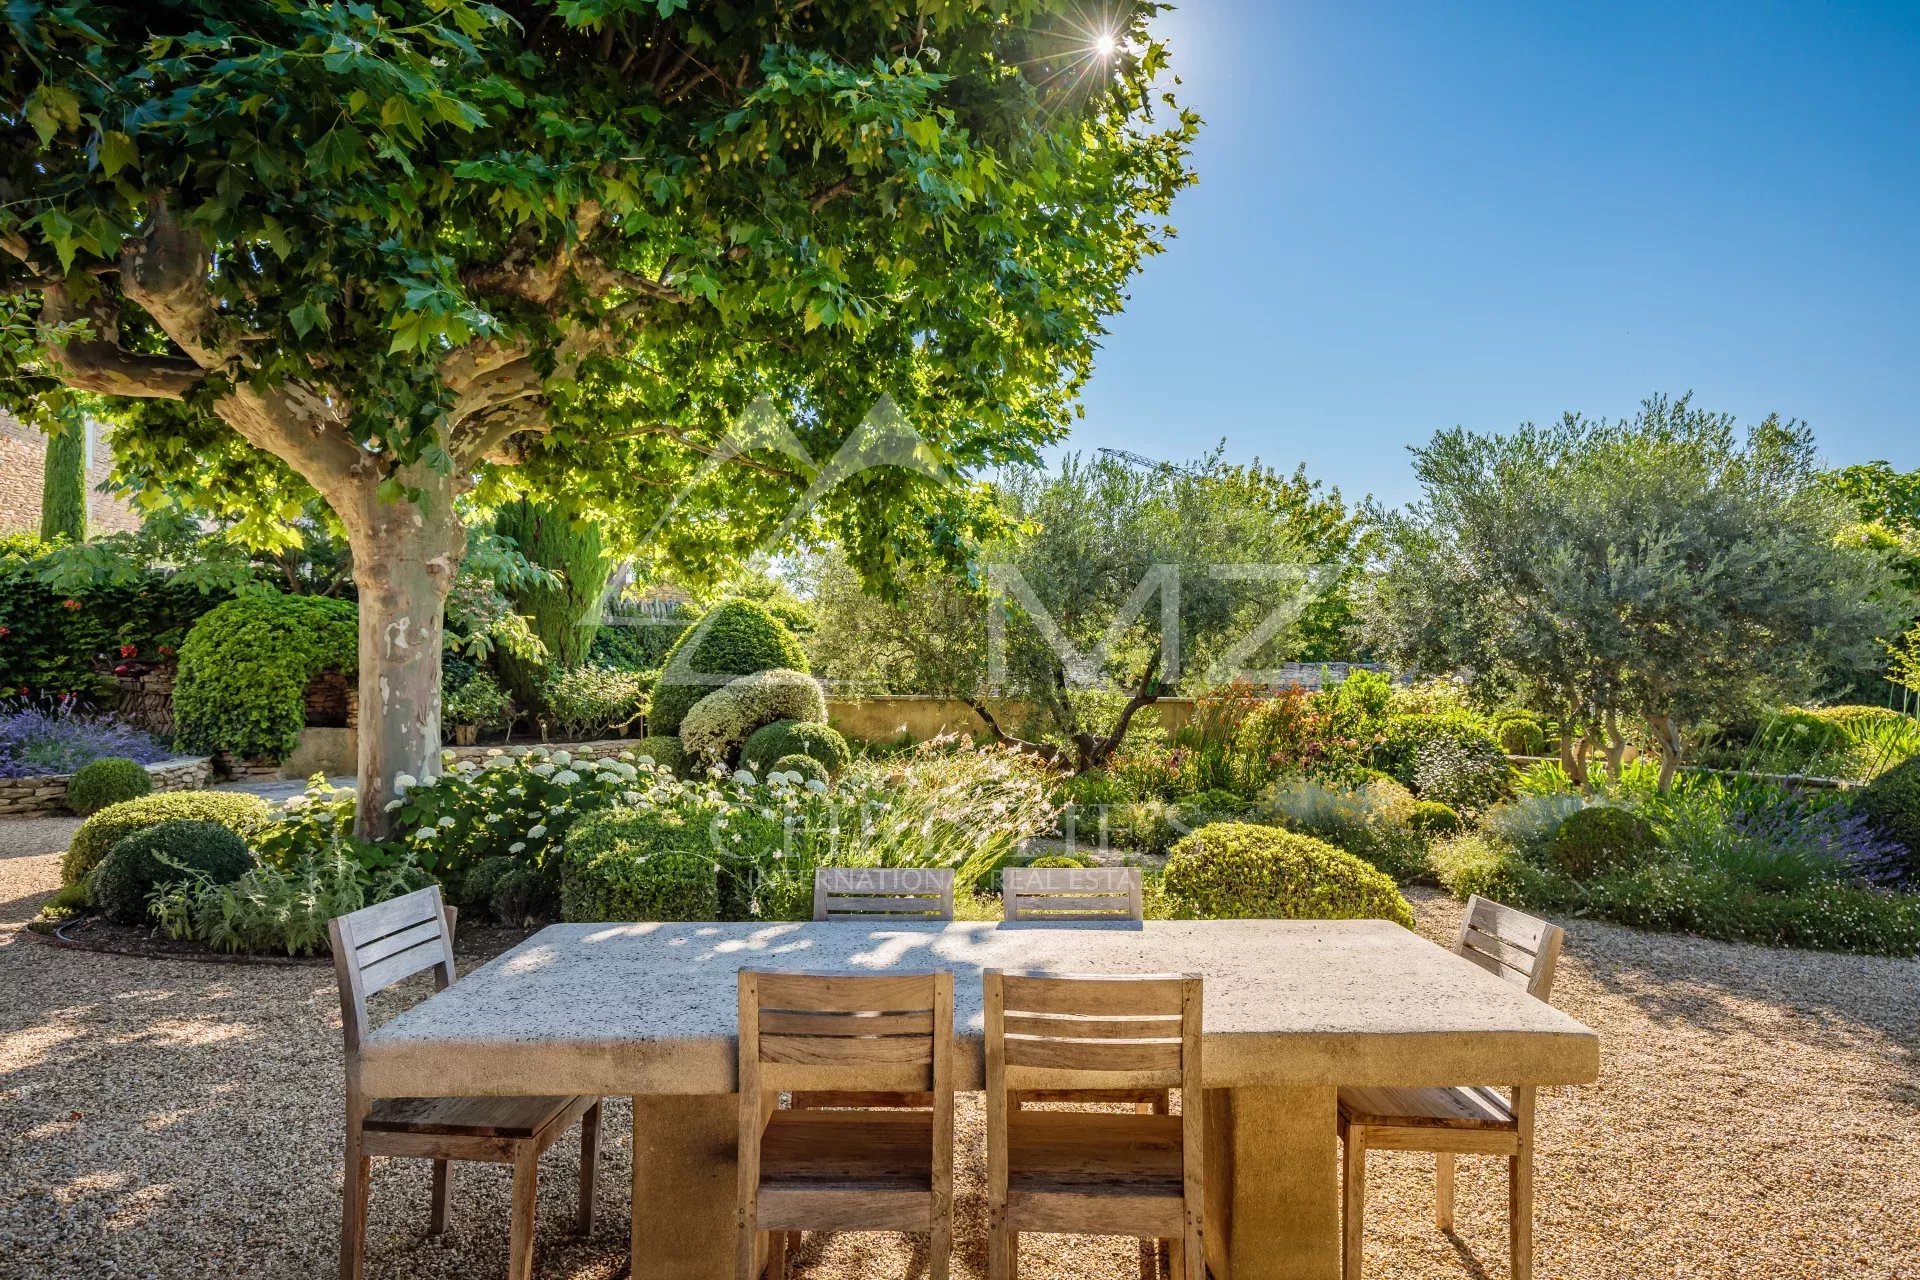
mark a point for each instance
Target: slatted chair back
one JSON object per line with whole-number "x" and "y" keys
{"x": 1071, "y": 893}
{"x": 1513, "y": 945}
{"x": 802, "y": 1031}
{"x": 389, "y": 942}
{"x": 882, "y": 894}
{"x": 1092, "y": 1031}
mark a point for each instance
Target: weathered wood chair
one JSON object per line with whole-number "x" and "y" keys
{"x": 1458, "y": 1121}
{"x": 898, "y": 895}
{"x": 373, "y": 949}
{"x": 844, "y": 1170}
{"x": 1043, "y": 894}
{"x": 1094, "y": 1172}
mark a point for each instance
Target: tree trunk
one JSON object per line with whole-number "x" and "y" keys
{"x": 405, "y": 555}
{"x": 1616, "y": 748}
{"x": 1667, "y": 734}
{"x": 1573, "y": 757}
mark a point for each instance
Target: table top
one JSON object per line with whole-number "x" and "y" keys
{"x": 650, "y": 1008}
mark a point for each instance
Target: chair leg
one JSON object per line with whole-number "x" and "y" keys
{"x": 442, "y": 1197}
{"x": 776, "y": 1255}
{"x": 354, "y": 1191}
{"x": 1003, "y": 1254}
{"x": 940, "y": 1249}
{"x": 526, "y": 1194}
{"x": 1443, "y": 1190}
{"x": 1520, "y": 1213}
{"x": 1353, "y": 1203}
{"x": 589, "y": 1168}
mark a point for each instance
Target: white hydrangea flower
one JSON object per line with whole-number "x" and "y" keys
{"x": 516, "y": 846}
{"x": 447, "y": 821}
{"x": 539, "y": 753}
{"x": 566, "y": 777}
{"x": 562, "y": 757}
{"x": 624, "y": 770}
{"x": 494, "y": 751}
{"x": 537, "y": 830}
{"x": 744, "y": 778}
{"x": 645, "y": 760}
{"x": 816, "y": 786}
{"x": 544, "y": 769}
{"x": 392, "y": 805}
{"x": 632, "y": 797}
{"x": 402, "y": 781}
{"x": 298, "y": 802}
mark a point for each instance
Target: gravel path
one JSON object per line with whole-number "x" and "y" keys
{"x": 1759, "y": 1118}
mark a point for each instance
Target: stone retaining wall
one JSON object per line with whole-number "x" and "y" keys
{"x": 32, "y": 797}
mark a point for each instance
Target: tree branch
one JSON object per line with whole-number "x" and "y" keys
{"x": 96, "y": 364}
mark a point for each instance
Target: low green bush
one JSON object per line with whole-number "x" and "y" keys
{"x": 478, "y": 885}
{"x": 664, "y": 750}
{"x": 240, "y": 813}
{"x": 639, "y": 864}
{"x": 1477, "y": 864}
{"x": 279, "y": 909}
{"x": 1206, "y": 806}
{"x": 1144, "y": 826}
{"x": 477, "y": 700}
{"x": 65, "y": 903}
{"x": 524, "y": 896}
{"x": 591, "y": 702}
{"x": 809, "y": 769}
{"x": 1466, "y": 771}
{"x": 1600, "y": 839}
{"x": 1403, "y": 734}
{"x": 105, "y": 781}
{"x": 1373, "y": 822}
{"x": 734, "y": 638}
{"x": 718, "y": 726}
{"x": 1062, "y": 860}
{"x": 770, "y": 742}
{"x": 1520, "y": 732}
{"x": 1827, "y": 915}
{"x": 1892, "y": 805}
{"x": 1529, "y": 820}
{"x": 1435, "y": 821}
{"x": 163, "y": 854}
{"x": 1237, "y": 870}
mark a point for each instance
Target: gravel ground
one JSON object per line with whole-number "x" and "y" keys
{"x": 1758, "y": 1117}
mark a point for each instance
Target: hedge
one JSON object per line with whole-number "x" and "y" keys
{"x": 719, "y": 724}
{"x": 821, "y": 742}
{"x": 245, "y": 667}
{"x": 239, "y": 812}
{"x": 1239, "y": 870}
{"x": 735, "y": 638}
{"x": 638, "y": 864}
{"x": 163, "y": 854}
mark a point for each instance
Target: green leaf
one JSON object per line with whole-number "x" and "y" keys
{"x": 116, "y": 152}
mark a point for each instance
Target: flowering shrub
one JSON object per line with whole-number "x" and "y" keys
{"x": 54, "y": 736}
{"x": 1464, "y": 770}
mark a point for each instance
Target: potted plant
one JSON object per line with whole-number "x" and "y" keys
{"x": 477, "y": 703}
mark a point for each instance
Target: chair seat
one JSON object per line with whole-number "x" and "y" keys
{"x": 1467, "y": 1108}
{"x": 467, "y": 1117}
{"x": 1104, "y": 1097}
{"x": 881, "y": 1150}
{"x": 1083, "y": 1151}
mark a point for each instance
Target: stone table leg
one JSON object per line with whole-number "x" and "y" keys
{"x": 683, "y": 1186}
{"x": 1273, "y": 1190}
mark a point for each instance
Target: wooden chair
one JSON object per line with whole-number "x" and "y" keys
{"x": 844, "y": 1170}
{"x": 1094, "y": 1172}
{"x": 373, "y": 949}
{"x": 882, "y": 894}
{"x": 1458, "y": 1121}
{"x": 1042, "y": 894}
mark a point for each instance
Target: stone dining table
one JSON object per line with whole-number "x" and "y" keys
{"x": 1293, "y": 1009}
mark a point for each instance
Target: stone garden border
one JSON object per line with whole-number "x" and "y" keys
{"x": 46, "y": 795}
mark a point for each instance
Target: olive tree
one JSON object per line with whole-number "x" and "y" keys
{"x": 1664, "y": 570}
{"x": 419, "y": 259}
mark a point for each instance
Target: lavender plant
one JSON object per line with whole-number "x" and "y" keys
{"x": 55, "y": 736}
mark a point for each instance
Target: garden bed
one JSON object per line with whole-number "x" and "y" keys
{"x": 44, "y": 794}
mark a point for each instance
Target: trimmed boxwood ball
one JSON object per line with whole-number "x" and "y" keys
{"x": 1892, "y": 805}
{"x": 638, "y": 864}
{"x": 1072, "y": 860}
{"x": 476, "y": 889}
{"x": 809, "y": 769}
{"x": 235, "y": 810}
{"x": 734, "y": 638}
{"x": 796, "y": 737}
{"x": 720, "y": 723}
{"x": 1435, "y": 820}
{"x": 1600, "y": 839}
{"x": 142, "y": 862}
{"x": 1242, "y": 871}
{"x": 666, "y": 751}
{"x": 105, "y": 781}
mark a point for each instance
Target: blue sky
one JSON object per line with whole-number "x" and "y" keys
{"x": 1412, "y": 216}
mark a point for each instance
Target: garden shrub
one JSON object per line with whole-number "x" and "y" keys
{"x": 1529, "y": 820}
{"x": 1204, "y": 806}
{"x": 809, "y": 769}
{"x": 163, "y": 854}
{"x": 638, "y": 644}
{"x": 561, "y": 608}
{"x": 719, "y": 724}
{"x": 734, "y": 638}
{"x": 477, "y": 700}
{"x": 665, "y": 750}
{"x": 1435, "y": 821}
{"x": 1403, "y": 735}
{"x": 240, "y": 813}
{"x": 1144, "y": 826}
{"x": 1599, "y": 839}
{"x": 1072, "y": 860}
{"x": 244, "y": 670}
{"x": 1828, "y": 915}
{"x": 38, "y": 738}
{"x": 1892, "y": 805}
{"x": 523, "y": 896}
{"x": 477, "y": 888}
{"x": 639, "y": 864}
{"x": 1520, "y": 732}
{"x": 591, "y": 702}
{"x": 1237, "y": 870}
{"x": 106, "y": 781}
{"x": 1464, "y": 770}
{"x": 796, "y": 737}
{"x": 1372, "y": 822}
{"x": 1477, "y": 863}
{"x": 65, "y": 903}
{"x": 283, "y": 909}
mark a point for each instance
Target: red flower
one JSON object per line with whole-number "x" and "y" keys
{"x": 129, "y": 650}
{"x": 166, "y": 651}
{"x": 6, "y": 631}
{"x": 69, "y": 604}
{"x": 24, "y": 691}
{"x": 120, "y": 670}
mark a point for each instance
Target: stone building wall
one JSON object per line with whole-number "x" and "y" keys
{"x": 23, "y": 456}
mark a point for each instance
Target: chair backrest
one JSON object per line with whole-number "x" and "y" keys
{"x": 389, "y": 942}
{"x": 1071, "y": 893}
{"x": 1513, "y": 945}
{"x": 900, "y": 894}
{"x": 801, "y": 1031}
{"x": 1138, "y": 1032}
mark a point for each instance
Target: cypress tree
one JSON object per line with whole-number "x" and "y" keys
{"x": 63, "y": 491}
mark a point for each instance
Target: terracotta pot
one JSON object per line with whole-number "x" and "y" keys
{"x": 465, "y": 735}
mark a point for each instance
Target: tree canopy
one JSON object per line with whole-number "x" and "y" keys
{"x": 666, "y": 258}
{"x": 1660, "y": 570}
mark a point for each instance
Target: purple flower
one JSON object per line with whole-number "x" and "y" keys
{"x": 39, "y": 739}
